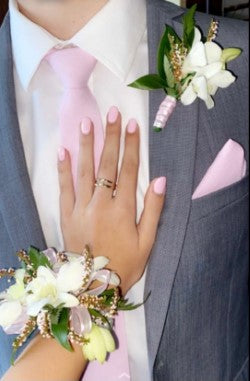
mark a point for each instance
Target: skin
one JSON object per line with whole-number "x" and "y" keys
{"x": 91, "y": 215}
{"x": 61, "y": 18}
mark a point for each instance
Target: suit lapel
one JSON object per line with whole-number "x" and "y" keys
{"x": 17, "y": 203}
{"x": 172, "y": 153}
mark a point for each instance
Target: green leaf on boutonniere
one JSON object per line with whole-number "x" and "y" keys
{"x": 169, "y": 73}
{"x": 37, "y": 258}
{"x": 61, "y": 329}
{"x": 149, "y": 82}
{"x": 189, "y": 27}
{"x": 171, "y": 92}
{"x": 165, "y": 48}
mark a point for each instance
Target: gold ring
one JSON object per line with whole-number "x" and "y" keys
{"x": 104, "y": 183}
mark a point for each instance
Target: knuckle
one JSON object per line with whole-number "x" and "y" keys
{"x": 130, "y": 167}
{"x": 61, "y": 169}
{"x": 82, "y": 173}
{"x": 108, "y": 162}
{"x": 63, "y": 186}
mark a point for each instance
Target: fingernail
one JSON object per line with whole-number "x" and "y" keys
{"x": 85, "y": 126}
{"x": 160, "y": 185}
{"x": 61, "y": 154}
{"x": 113, "y": 114}
{"x": 132, "y": 126}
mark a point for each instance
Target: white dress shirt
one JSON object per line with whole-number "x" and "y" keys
{"x": 117, "y": 37}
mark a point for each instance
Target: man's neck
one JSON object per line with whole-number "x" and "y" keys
{"x": 61, "y": 18}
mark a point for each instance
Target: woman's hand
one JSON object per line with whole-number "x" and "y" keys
{"x": 94, "y": 216}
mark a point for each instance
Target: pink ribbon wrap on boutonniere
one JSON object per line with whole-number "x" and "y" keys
{"x": 166, "y": 109}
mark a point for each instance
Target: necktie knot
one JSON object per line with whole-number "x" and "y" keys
{"x": 72, "y": 65}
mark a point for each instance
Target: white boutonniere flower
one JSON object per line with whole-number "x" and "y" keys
{"x": 207, "y": 61}
{"x": 189, "y": 67}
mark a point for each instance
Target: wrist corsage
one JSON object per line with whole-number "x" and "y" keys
{"x": 69, "y": 297}
{"x": 189, "y": 67}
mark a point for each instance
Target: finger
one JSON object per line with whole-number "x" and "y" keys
{"x": 85, "y": 168}
{"x": 148, "y": 224}
{"x": 67, "y": 196}
{"x": 127, "y": 183}
{"x": 110, "y": 155}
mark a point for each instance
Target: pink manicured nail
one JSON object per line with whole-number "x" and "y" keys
{"x": 61, "y": 154}
{"x": 160, "y": 185}
{"x": 132, "y": 126}
{"x": 85, "y": 126}
{"x": 113, "y": 114}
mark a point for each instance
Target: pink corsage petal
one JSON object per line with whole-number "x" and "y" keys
{"x": 18, "y": 326}
{"x": 165, "y": 111}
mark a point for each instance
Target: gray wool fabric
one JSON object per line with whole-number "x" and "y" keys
{"x": 197, "y": 312}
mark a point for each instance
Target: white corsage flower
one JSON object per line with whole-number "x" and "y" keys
{"x": 11, "y": 306}
{"x": 206, "y": 61}
{"x": 55, "y": 288}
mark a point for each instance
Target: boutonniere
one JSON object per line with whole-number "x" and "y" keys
{"x": 189, "y": 67}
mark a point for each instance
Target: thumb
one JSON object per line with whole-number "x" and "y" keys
{"x": 154, "y": 201}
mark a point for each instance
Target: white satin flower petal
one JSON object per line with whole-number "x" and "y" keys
{"x": 17, "y": 291}
{"x": 197, "y": 55}
{"x": 223, "y": 79}
{"x": 19, "y": 275}
{"x": 9, "y": 312}
{"x": 114, "y": 280}
{"x": 210, "y": 70}
{"x": 197, "y": 36}
{"x": 100, "y": 263}
{"x": 46, "y": 273}
{"x": 213, "y": 52}
{"x": 212, "y": 88}
{"x": 200, "y": 87}
{"x": 70, "y": 276}
{"x": 34, "y": 308}
{"x": 209, "y": 102}
{"x": 68, "y": 300}
{"x": 189, "y": 96}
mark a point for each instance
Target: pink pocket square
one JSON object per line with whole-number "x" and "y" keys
{"x": 228, "y": 168}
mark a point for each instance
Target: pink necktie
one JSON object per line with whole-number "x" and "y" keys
{"x": 74, "y": 67}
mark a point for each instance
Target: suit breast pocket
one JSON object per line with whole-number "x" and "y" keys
{"x": 219, "y": 229}
{"x": 205, "y": 206}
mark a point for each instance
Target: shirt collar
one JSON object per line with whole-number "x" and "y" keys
{"x": 112, "y": 36}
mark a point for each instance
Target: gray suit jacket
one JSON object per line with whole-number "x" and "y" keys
{"x": 197, "y": 315}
